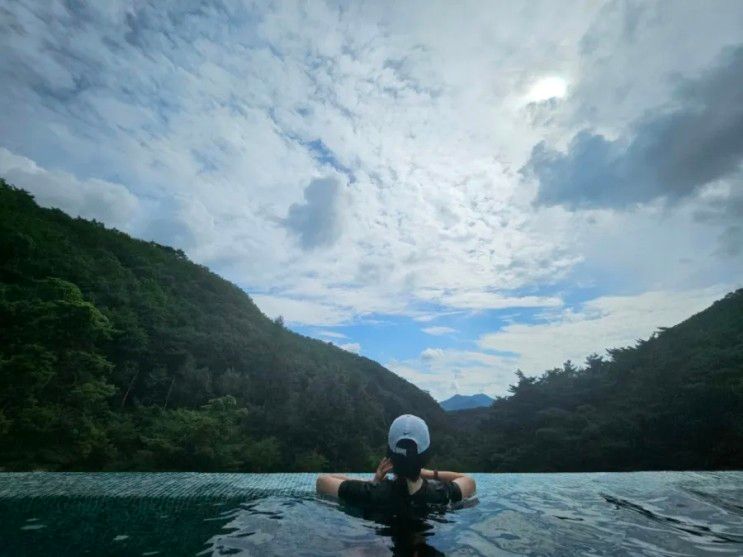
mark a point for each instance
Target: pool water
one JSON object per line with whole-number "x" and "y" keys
{"x": 678, "y": 513}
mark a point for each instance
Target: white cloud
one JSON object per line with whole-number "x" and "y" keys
{"x": 432, "y": 354}
{"x": 239, "y": 129}
{"x": 428, "y": 317}
{"x": 444, "y": 372}
{"x": 438, "y": 331}
{"x": 181, "y": 221}
{"x": 351, "y": 347}
{"x": 300, "y": 311}
{"x": 599, "y": 324}
{"x": 546, "y": 88}
{"x": 104, "y": 201}
{"x": 490, "y": 300}
{"x": 330, "y": 334}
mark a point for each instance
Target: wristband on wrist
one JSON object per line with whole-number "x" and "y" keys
{"x": 435, "y": 474}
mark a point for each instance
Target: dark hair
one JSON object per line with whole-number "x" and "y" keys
{"x": 408, "y": 465}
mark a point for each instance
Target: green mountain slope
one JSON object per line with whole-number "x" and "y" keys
{"x": 674, "y": 401}
{"x": 122, "y": 354}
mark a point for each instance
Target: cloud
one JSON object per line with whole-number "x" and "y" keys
{"x": 670, "y": 153}
{"x": 596, "y": 325}
{"x": 438, "y": 331}
{"x": 432, "y": 354}
{"x": 428, "y": 317}
{"x": 181, "y": 222}
{"x": 547, "y": 88}
{"x": 101, "y": 200}
{"x": 351, "y": 347}
{"x": 722, "y": 205}
{"x": 489, "y": 300}
{"x": 331, "y": 334}
{"x": 300, "y": 311}
{"x": 731, "y": 241}
{"x": 317, "y": 221}
{"x": 444, "y": 372}
{"x": 234, "y": 112}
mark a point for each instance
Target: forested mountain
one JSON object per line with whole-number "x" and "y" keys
{"x": 122, "y": 354}
{"x": 674, "y": 401}
{"x": 464, "y": 402}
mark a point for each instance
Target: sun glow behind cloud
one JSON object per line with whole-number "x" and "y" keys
{"x": 551, "y": 87}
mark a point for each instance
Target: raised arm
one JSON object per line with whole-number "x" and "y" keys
{"x": 328, "y": 484}
{"x": 466, "y": 484}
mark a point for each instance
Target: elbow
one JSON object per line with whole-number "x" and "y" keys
{"x": 328, "y": 485}
{"x": 471, "y": 484}
{"x": 467, "y": 486}
{"x": 320, "y": 483}
{"x": 474, "y": 485}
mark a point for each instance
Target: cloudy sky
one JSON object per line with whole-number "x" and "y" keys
{"x": 455, "y": 189}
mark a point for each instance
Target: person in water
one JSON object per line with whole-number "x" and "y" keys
{"x": 408, "y": 449}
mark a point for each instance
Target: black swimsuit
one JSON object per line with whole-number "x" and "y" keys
{"x": 388, "y": 493}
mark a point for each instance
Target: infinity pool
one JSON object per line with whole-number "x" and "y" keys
{"x": 680, "y": 513}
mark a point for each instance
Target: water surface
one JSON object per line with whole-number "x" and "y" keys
{"x": 678, "y": 513}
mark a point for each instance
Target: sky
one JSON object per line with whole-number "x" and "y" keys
{"x": 455, "y": 189}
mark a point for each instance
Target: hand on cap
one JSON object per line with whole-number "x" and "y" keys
{"x": 385, "y": 466}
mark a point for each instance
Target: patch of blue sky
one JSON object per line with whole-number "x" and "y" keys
{"x": 205, "y": 162}
{"x": 383, "y": 337}
{"x": 317, "y": 148}
{"x": 390, "y": 337}
{"x": 324, "y": 155}
{"x": 579, "y": 287}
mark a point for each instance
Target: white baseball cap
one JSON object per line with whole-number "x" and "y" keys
{"x": 410, "y": 427}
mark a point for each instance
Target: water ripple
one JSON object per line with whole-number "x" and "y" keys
{"x": 652, "y": 514}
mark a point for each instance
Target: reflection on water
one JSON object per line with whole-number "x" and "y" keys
{"x": 308, "y": 526}
{"x": 244, "y": 514}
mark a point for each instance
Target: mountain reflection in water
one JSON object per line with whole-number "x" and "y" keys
{"x": 675, "y": 513}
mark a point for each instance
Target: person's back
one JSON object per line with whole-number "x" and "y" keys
{"x": 395, "y": 494}
{"x": 414, "y": 488}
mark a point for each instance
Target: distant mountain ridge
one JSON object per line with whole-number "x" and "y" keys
{"x": 466, "y": 402}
